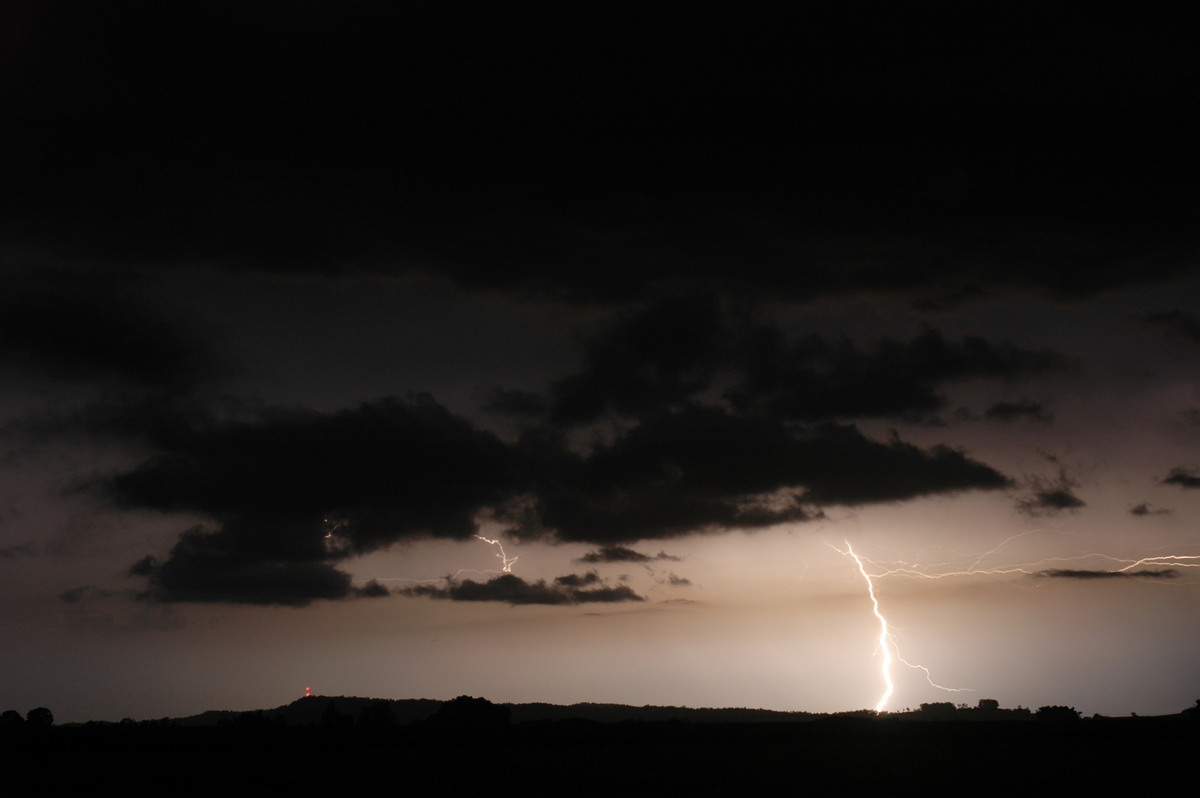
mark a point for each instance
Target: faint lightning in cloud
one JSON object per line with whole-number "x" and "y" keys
{"x": 500, "y": 555}
{"x": 1167, "y": 561}
{"x": 506, "y": 566}
{"x": 335, "y": 542}
{"x": 945, "y": 570}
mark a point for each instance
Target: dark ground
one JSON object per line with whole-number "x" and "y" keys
{"x": 847, "y": 755}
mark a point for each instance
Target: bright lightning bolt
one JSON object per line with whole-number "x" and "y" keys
{"x": 1050, "y": 566}
{"x": 887, "y": 644}
{"x": 885, "y": 636}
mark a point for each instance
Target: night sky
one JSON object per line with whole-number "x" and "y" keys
{"x": 560, "y": 353}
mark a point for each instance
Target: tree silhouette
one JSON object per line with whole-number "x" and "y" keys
{"x": 40, "y": 718}
{"x": 1057, "y": 714}
{"x": 334, "y": 719}
{"x": 376, "y": 715}
{"x": 938, "y": 709}
{"x": 468, "y": 712}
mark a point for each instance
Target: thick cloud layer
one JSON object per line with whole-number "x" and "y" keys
{"x": 1050, "y": 502}
{"x": 687, "y": 345}
{"x": 570, "y": 589}
{"x": 394, "y": 468}
{"x": 1063, "y": 573}
{"x": 704, "y": 468}
{"x": 1184, "y": 477}
{"x": 1051, "y": 496}
{"x": 814, "y": 378}
{"x": 724, "y": 425}
{"x": 790, "y": 152}
{"x": 693, "y": 181}
{"x": 1023, "y": 408}
{"x": 86, "y": 328}
{"x": 1177, "y": 324}
{"x": 656, "y": 358}
{"x": 624, "y": 554}
{"x": 292, "y": 494}
{"x": 384, "y": 472}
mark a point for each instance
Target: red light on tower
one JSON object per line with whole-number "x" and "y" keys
{"x": 308, "y": 692}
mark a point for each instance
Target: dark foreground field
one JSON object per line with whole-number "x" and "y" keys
{"x": 833, "y": 756}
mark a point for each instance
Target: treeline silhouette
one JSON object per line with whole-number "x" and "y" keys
{"x": 36, "y": 718}
{"x": 343, "y": 713}
{"x": 322, "y": 743}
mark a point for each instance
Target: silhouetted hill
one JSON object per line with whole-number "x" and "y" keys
{"x": 554, "y": 750}
{"x": 313, "y": 710}
{"x": 349, "y": 711}
{"x": 616, "y": 713}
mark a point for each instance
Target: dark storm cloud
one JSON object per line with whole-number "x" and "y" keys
{"x": 1050, "y": 502}
{"x": 796, "y": 152}
{"x": 85, "y": 327}
{"x": 1023, "y": 408}
{"x": 1177, "y": 324}
{"x": 577, "y": 580}
{"x": 16, "y": 551}
{"x": 151, "y": 417}
{"x": 673, "y": 350}
{"x": 371, "y": 464}
{"x": 684, "y": 173}
{"x": 77, "y": 594}
{"x": 657, "y": 358}
{"x": 1062, "y": 573}
{"x": 1050, "y": 496}
{"x": 208, "y": 566}
{"x": 852, "y": 469}
{"x": 1183, "y": 477}
{"x": 571, "y": 589}
{"x": 516, "y": 403}
{"x": 817, "y": 379}
{"x": 293, "y": 493}
{"x": 371, "y": 589}
{"x": 705, "y": 468}
{"x": 623, "y": 554}
{"x": 1145, "y": 508}
{"x": 391, "y": 470}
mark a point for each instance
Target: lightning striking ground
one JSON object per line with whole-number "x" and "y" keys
{"x": 885, "y": 635}
{"x": 1045, "y": 567}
